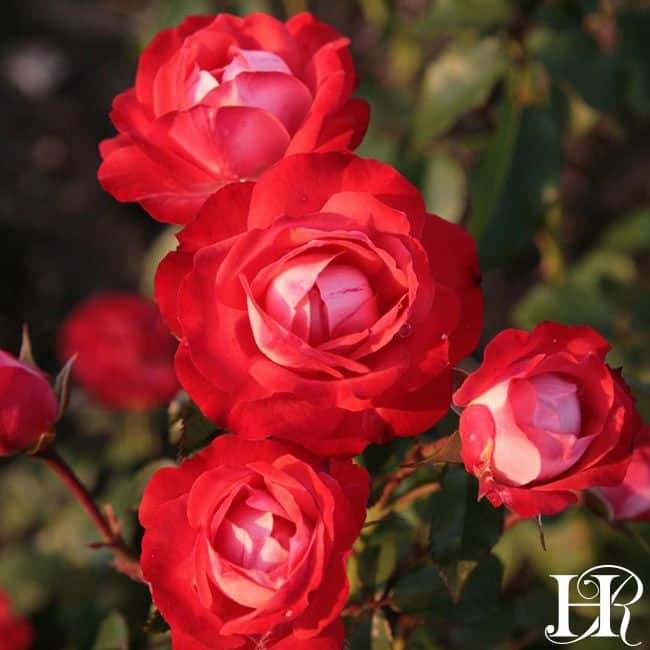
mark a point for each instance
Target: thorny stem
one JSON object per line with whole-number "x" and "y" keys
{"x": 125, "y": 561}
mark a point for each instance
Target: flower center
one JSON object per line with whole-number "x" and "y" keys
{"x": 201, "y": 82}
{"x": 252, "y": 538}
{"x": 557, "y": 408}
{"x": 318, "y": 304}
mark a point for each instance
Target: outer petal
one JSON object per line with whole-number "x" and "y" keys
{"x": 212, "y": 401}
{"x": 341, "y": 433}
{"x": 27, "y": 404}
{"x": 454, "y": 263}
{"x": 160, "y": 50}
{"x": 345, "y": 128}
{"x": 302, "y": 184}
{"x": 169, "y": 275}
{"x": 330, "y": 639}
{"x": 184, "y": 157}
{"x": 171, "y": 190}
{"x": 511, "y": 345}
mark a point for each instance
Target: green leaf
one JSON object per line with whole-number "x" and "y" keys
{"x": 480, "y": 619}
{"x": 446, "y": 16}
{"x": 462, "y": 528}
{"x": 510, "y": 207}
{"x": 583, "y": 297}
{"x": 492, "y": 172}
{"x": 445, "y": 187}
{"x": 422, "y": 591}
{"x": 630, "y": 234}
{"x": 634, "y": 28}
{"x": 574, "y": 59}
{"x": 460, "y": 79}
{"x": 113, "y": 634}
{"x": 422, "y": 638}
{"x": 386, "y": 560}
{"x": 481, "y": 593}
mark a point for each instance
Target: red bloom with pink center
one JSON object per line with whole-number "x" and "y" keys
{"x": 124, "y": 351}
{"x": 322, "y": 305}
{"x": 261, "y": 535}
{"x": 15, "y": 632}
{"x": 545, "y": 417}
{"x": 631, "y": 499}
{"x": 28, "y": 405}
{"x": 221, "y": 99}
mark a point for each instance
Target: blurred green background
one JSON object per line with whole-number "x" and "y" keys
{"x": 526, "y": 121}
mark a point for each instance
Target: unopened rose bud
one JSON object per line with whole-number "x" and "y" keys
{"x": 28, "y": 406}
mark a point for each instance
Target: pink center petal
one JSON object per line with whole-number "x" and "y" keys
{"x": 350, "y": 303}
{"x": 557, "y": 408}
{"x": 199, "y": 85}
{"x": 254, "y": 61}
{"x": 287, "y": 297}
{"x": 515, "y": 458}
{"x": 317, "y": 299}
{"x": 254, "y": 538}
{"x": 537, "y": 426}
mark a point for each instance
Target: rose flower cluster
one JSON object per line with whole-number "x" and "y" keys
{"x": 317, "y": 308}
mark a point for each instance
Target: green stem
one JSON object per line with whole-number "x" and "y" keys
{"x": 125, "y": 561}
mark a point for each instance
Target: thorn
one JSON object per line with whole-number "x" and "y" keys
{"x": 540, "y": 528}
{"x": 26, "y": 353}
{"x": 62, "y": 386}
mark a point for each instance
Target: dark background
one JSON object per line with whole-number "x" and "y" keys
{"x": 527, "y": 121}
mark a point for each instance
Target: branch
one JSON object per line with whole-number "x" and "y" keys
{"x": 105, "y": 522}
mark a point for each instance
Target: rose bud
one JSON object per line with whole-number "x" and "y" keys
{"x": 631, "y": 499}
{"x": 15, "y": 632}
{"x": 124, "y": 351}
{"x": 246, "y": 543}
{"x": 545, "y": 417}
{"x": 28, "y": 406}
{"x": 221, "y": 99}
{"x": 322, "y": 305}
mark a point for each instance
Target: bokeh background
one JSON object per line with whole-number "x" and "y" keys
{"x": 528, "y": 121}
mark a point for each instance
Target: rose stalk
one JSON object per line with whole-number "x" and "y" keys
{"x": 106, "y": 523}
{"x": 29, "y": 409}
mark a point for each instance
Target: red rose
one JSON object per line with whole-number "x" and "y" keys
{"x": 124, "y": 352}
{"x": 631, "y": 499}
{"x": 221, "y": 99}
{"x": 322, "y": 305}
{"x": 27, "y": 404}
{"x": 545, "y": 417}
{"x": 246, "y": 543}
{"x": 15, "y": 632}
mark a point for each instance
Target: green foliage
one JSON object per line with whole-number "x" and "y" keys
{"x": 525, "y": 121}
{"x": 460, "y": 79}
{"x": 462, "y": 527}
{"x": 113, "y": 634}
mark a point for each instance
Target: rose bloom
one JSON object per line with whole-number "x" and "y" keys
{"x": 124, "y": 351}
{"x": 246, "y": 544}
{"x": 15, "y": 632}
{"x": 28, "y": 406}
{"x": 322, "y": 305}
{"x": 631, "y": 499}
{"x": 545, "y": 417}
{"x": 221, "y": 99}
